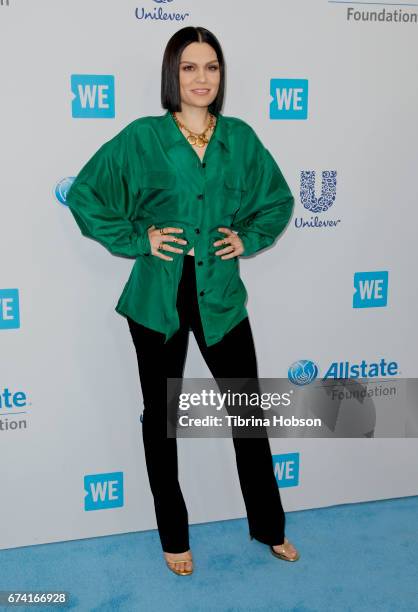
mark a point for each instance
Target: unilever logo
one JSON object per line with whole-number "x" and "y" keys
{"x": 318, "y": 204}
{"x": 303, "y": 372}
{"x": 159, "y": 14}
{"x": 62, "y": 188}
{"x": 307, "y": 190}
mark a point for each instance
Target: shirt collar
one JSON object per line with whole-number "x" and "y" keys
{"x": 172, "y": 134}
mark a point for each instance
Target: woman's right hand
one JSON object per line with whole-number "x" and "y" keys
{"x": 159, "y": 237}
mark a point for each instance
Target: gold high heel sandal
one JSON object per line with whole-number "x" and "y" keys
{"x": 281, "y": 555}
{"x": 180, "y": 572}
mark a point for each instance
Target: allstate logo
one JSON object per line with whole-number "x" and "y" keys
{"x": 62, "y": 188}
{"x": 303, "y": 372}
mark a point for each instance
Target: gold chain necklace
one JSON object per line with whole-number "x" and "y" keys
{"x": 200, "y": 140}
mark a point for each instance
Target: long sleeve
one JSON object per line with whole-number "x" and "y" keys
{"x": 267, "y": 205}
{"x": 102, "y": 202}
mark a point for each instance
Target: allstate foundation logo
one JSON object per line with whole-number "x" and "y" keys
{"x": 12, "y": 400}
{"x": 377, "y": 15}
{"x": 62, "y": 188}
{"x": 317, "y": 204}
{"x": 303, "y": 372}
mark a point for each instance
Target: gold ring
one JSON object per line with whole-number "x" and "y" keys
{"x": 162, "y": 230}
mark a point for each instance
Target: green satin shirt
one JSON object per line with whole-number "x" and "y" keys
{"x": 148, "y": 174}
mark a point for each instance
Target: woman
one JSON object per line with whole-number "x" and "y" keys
{"x": 185, "y": 194}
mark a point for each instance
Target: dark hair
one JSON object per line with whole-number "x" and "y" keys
{"x": 170, "y": 87}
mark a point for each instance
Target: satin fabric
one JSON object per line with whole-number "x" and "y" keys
{"x": 149, "y": 174}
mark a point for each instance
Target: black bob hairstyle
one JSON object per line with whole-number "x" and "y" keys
{"x": 170, "y": 88}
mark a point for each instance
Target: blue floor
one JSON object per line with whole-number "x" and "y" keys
{"x": 353, "y": 557}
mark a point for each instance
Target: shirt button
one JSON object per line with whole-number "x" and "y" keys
{"x": 204, "y": 165}
{"x": 197, "y": 230}
{"x": 200, "y": 263}
{"x": 200, "y": 196}
{"x": 202, "y": 293}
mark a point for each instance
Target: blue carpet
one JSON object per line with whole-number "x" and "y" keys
{"x": 354, "y": 557}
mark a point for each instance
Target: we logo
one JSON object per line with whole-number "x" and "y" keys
{"x": 370, "y": 289}
{"x": 93, "y": 96}
{"x": 289, "y": 99}
{"x": 103, "y": 491}
{"x": 9, "y": 309}
{"x": 286, "y": 469}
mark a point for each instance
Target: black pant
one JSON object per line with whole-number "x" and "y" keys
{"x": 232, "y": 357}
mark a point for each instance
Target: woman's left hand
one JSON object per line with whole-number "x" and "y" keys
{"x": 232, "y": 243}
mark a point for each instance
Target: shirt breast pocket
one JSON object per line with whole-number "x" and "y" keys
{"x": 234, "y": 191}
{"x": 157, "y": 190}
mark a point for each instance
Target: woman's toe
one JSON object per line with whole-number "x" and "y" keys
{"x": 286, "y": 549}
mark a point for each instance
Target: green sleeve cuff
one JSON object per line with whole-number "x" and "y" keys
{"x": 246, "y": 241}
{"x": 143, "y": 243}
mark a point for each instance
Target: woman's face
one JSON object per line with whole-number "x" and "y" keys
{"x": 199, "y": 75}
